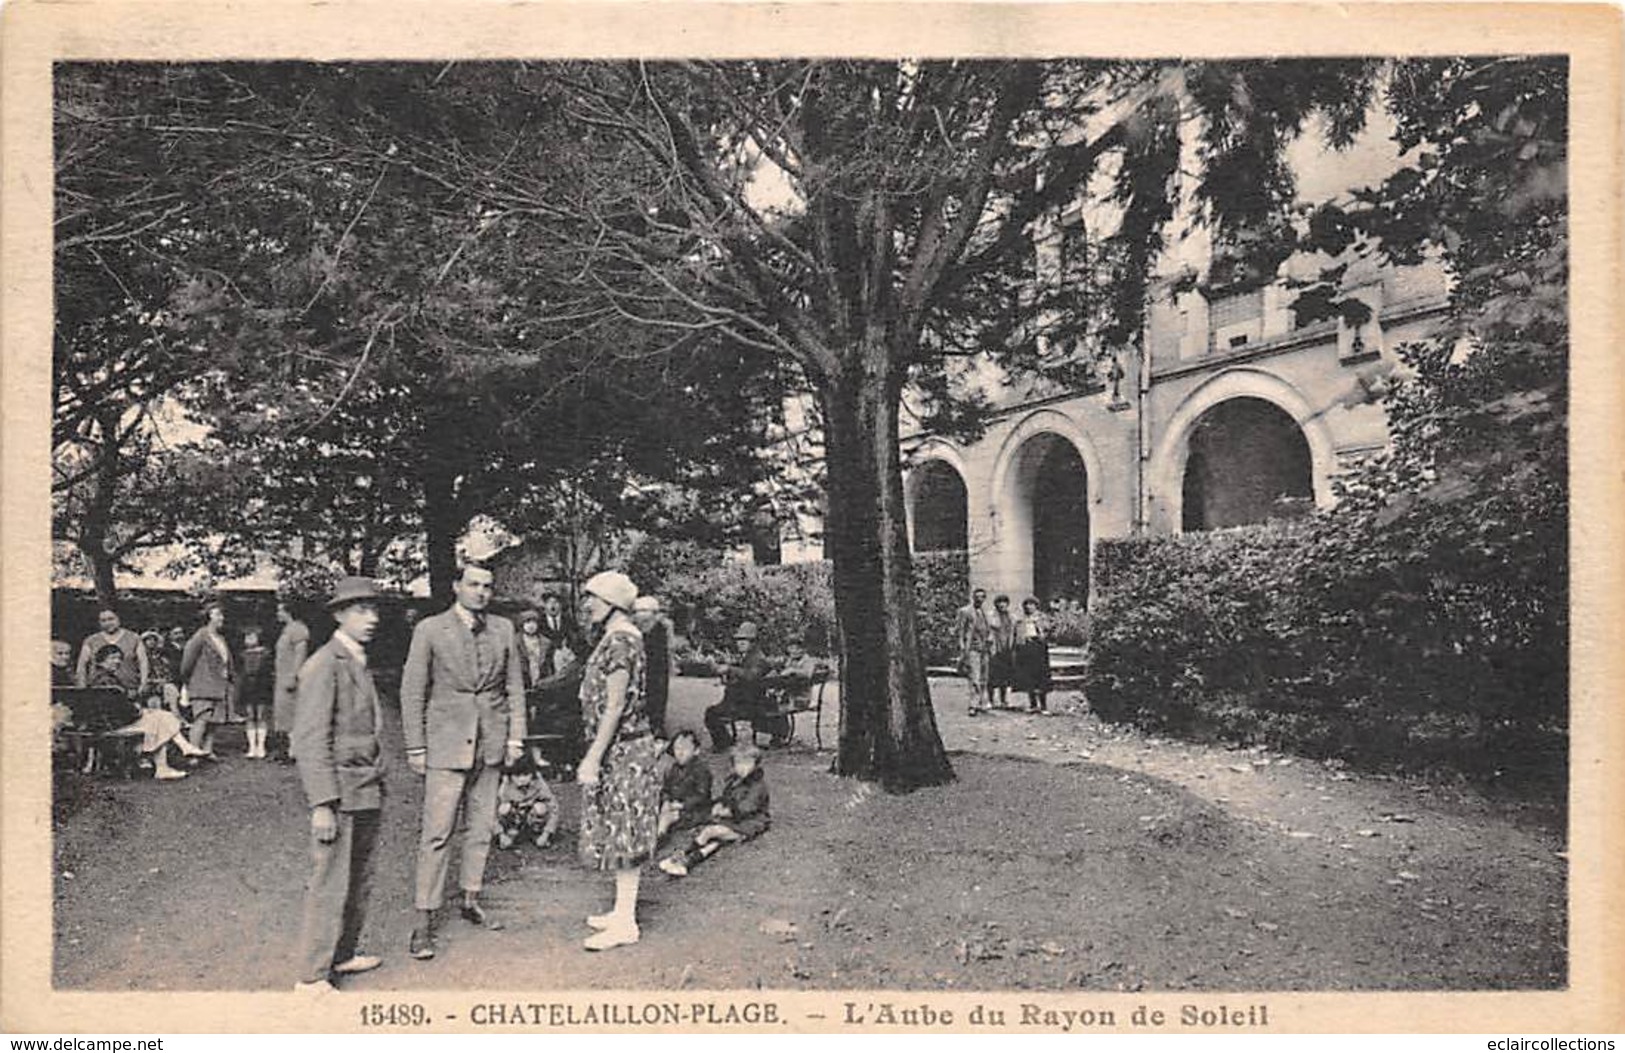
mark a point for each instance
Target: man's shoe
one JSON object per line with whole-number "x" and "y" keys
{"x": 475, "y": 914}
{"x": 421, "y": 946}
{"x": 619, "y": 936}
{"x": 674, "y": 867}
{"x": 358, "y": 963}
{"x": 314, "y": 987}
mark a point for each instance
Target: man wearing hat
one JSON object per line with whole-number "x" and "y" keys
{"x": 335, "y": 734}
{"x": 741, "y": 689}
{"x": 657, "y": 659}
{"x": 463, "y": 717}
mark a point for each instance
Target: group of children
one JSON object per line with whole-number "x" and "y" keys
{"x": 694, "y": 824}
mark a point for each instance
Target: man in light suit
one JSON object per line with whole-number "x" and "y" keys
{"x": 335, "y": 737}
{"x": 463, "y": 716}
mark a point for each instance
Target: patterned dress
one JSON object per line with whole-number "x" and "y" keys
{"x": 620, "y": 815}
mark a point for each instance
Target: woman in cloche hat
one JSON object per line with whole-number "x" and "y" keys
{"x": 619, "y": 775}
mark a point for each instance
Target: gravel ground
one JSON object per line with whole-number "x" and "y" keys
{"x": 1067, "y": 855}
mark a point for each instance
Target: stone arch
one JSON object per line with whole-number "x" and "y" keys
{"x": 1168, "y": 463}
{"x": 938, "y": 503}
{"x": 940, "y": 450}
{"x": 1047, "y": 481}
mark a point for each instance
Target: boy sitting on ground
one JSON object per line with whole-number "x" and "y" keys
{"x": 526, "y": 806}
{"x": 685, "y": 790}
{"x": 739, "y": 815}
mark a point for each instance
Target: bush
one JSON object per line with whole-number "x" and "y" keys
{"x": 1434, "y": 637}
{"x": 793, "y": 600}
{"x": 942, "y": 583}
{"x": 707, "y": 603}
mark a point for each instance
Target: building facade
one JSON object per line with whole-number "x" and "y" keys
{"x": 1229, "y": 414}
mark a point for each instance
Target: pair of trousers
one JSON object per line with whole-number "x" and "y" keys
{"x": 336, "y": 899}
{"x": 446, "y": 793}
{"x": 976, "y": 676}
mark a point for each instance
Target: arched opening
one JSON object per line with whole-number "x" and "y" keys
{"x": 940, "y": 508}
{"x": 1052, "y": 499}
{"x": 1248, "y": 462}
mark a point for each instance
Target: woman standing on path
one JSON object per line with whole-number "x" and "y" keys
{"x": 1032, "y": 656}
{"x": 209, "y": 676}
{"x": 1001, "y": 662}
{"x": 619, "y": 775}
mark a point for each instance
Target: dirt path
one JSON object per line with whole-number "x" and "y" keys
{"x": 1117, "y": 863}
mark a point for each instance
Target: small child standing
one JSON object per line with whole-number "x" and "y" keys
{"x": 685, "y": 790}
{"x": 526, "y": 806}
{"x": 255, "y": 695}
{"x": 739, "y": 815}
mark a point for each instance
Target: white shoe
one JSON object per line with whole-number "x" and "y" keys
{"x": 314, "y": 987}
{"x": 674, "y": 867}
{"x": 619, "y": 936}
{"x": 359, "y": 963}
{"x": 168, "y": 774}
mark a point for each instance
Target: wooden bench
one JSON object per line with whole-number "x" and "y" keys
{"x": 785, "y": 702}
{"x": 98, "y": 739}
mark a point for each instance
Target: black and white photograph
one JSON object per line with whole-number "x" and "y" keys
{"x": 1088, "y": 529}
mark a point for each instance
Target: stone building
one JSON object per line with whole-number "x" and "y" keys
{"x": 1231, "y": 414}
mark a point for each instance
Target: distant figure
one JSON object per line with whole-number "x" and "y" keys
{"x": 1032, "y": 671}
{"x": 209, "y": 675}
{"x": 563, "y": 633}
{"x": 740, "y": 814}
{"x": 1001, "y": 659}
{"x": 159, "y": 728}
{"x": 742, "y": 692}
{"x": 62, "y": 673}
{"x": 257, "y": 683}
{"x": 335, "y": 740}
{"x": 292, "y": 647}
{"x": 975, "y": 638}
{"x": 657, "y": 653}
{"x": 135, "y": 671}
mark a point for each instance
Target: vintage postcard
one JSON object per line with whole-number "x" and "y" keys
{"x": 833, "y": 517}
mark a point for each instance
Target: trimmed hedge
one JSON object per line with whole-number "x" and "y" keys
{"x": 1436, "y": 639}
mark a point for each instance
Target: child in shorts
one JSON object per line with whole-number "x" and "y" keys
{"x": 527, "y": 810}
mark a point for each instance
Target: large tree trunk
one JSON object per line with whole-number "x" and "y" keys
{"x": 443, "y": 524}
{"x": 888, "y": 730}
{"x": 96, "y": 531}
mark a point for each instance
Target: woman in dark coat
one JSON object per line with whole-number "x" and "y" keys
{"x": 1032, "y": 673}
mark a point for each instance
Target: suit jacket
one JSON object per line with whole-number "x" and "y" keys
{"x": 973, "y": 629}
{"x": 447, "y": 706}
{"x": 203, "y": 672}
{"x": 335, "y": 731}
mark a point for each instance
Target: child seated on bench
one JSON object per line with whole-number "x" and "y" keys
{"x": 685, "y": 790}
{"x": 526, "y": 807}
{"x": 158, "y": 727}
{"x": 740, "y": 814}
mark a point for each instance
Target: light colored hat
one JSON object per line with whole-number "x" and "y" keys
{"x": 746, "y": 631}
{"x": 614, "y": 588}
{"x": 646, "y": 603}
{"x": 353, "y": 590}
